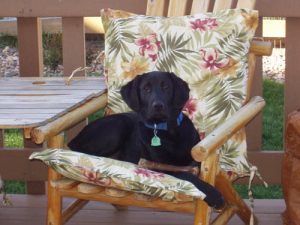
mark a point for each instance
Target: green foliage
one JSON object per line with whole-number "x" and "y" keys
{"x": 15, "y": 187}
{"x": 260, "y": 191}
{"x": 52, "y": 45}
{"x": 8, "y": 40}
{"x": 273, "y": 115}
{"x": 13, "y": 138}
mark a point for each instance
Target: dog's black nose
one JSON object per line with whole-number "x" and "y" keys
{"x": 158, "y": 106}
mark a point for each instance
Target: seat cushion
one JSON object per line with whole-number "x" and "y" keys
{"x": 209, "y": 51}
{"x": 117, "y": 174}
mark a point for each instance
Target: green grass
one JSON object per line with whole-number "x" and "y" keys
{"x": 13, "y": 138}
{"x": 15, "y": 187}
{"x": 273, "y": 115}
{"x": 260, "y": 191}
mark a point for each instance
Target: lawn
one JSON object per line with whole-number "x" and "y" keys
{"x": 273, "y": 115}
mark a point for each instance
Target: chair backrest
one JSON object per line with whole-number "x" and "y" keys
{"x": 185, "y": 7}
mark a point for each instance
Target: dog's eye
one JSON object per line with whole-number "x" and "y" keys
{"x": 164, "y": 86}
{"x": 147, "y": 88}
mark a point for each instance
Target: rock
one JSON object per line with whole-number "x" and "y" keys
{"x": 5, "y": 50}
{"x": 11, "y": 74}
{"x": 60, "y": 67}
{"x": 9, "y": 62}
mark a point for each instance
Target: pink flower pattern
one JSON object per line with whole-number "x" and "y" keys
{"x": 204, "y": 25}
{"x": 190, "y": 107}
{"x": 92, "y": 177}
{"x": 148, "y": 173}
{"x": 148, "y": 46}
{"x": 202, "y": 135}
{"x": 211, "y": 60}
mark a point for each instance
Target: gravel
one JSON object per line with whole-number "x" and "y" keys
{"x": 274, "y": 66}
{"x": 9, "y": 62}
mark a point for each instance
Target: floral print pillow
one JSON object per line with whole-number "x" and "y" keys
{"x": 208, "y": 51}
{"x": 117, "y": 174}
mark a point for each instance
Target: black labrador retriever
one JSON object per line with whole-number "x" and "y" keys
{"x": 156, "y": 129}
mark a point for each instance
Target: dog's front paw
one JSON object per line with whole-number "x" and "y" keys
{"x": 215, "y": 200}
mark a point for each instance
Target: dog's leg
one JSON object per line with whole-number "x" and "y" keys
{"x": 213, "y": 196}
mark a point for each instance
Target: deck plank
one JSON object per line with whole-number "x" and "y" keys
{"x": 31, "y": 210}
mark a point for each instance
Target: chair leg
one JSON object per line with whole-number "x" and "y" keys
{"x": 73, "y": 209}
{"x": 54, "y": 211}
{"x": 120, "y": 207}
{"x": 54, "y": 201}
{"x": 208, "y": 172}
{"x": 202, "y": 213}
{"x": 224, "y": 217}
{"x": 232, "y": 197}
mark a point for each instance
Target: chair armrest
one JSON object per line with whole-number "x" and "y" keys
{"x": 42, "y": 133}
{"x": 221, "y": 134}
{"x": 261, "y": 48}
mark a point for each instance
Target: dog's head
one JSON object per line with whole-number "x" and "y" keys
{"x": 156, "y": 96}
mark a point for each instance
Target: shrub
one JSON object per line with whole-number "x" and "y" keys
{"x": 52, "y": 45}
{"x": 8, "y": 40}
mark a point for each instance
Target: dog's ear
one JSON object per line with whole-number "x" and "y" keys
{"x": 130, "y": 95}
{"x": 181, "y": 91}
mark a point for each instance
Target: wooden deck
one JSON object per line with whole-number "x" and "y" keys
{"x": 31, "y": 210}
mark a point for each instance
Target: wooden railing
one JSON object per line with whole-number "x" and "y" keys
{"x": 28, "y": 15}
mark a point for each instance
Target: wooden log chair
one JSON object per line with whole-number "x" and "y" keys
{"x": 205, "y": 151}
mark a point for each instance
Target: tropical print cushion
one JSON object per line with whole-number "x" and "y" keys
{"x": 117, "y": 174}
{"x": 208, "y": 51}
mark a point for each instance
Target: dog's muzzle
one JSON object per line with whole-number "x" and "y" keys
{"x": 157, "y": 112}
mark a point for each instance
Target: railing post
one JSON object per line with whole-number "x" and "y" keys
{"x": 292, "y": 72}
{"x": 33, "y": 187}
{"x": 30, "y": 46}
{"x": 73, "y": 39}
{"x": 73, "y": 54}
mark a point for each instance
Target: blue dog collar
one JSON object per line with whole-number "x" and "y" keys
{"x": 164, "y": 126}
